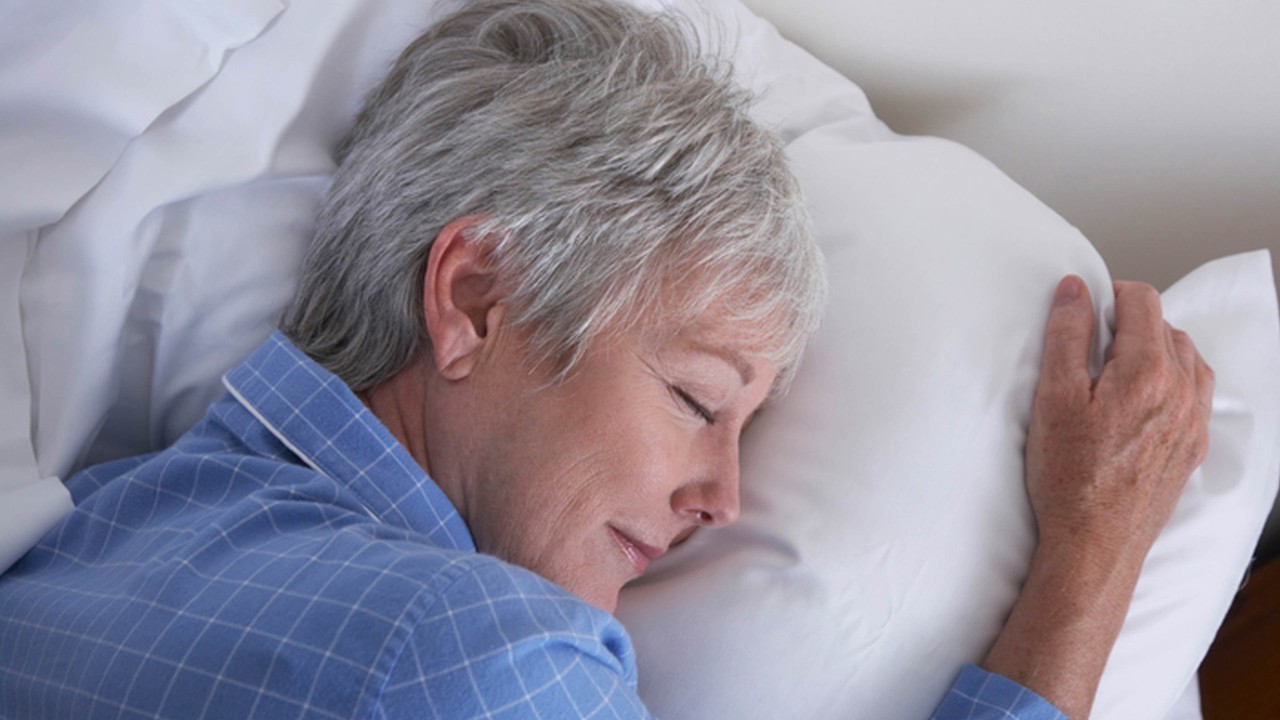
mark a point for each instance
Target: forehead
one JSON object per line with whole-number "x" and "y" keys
{"x": 718, "y": 305}
{"x": 727, "y": 353}
{"x": 740, "y": 349}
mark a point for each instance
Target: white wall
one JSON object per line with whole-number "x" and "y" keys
{"x": 1152, "y": 125}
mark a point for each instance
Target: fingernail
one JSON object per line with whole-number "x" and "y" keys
{"x": 1067, "y": 293}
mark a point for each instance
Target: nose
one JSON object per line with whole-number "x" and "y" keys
{"x": 710, "y": 498}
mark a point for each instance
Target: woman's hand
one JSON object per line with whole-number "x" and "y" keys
{"x": 1107, "y": 459}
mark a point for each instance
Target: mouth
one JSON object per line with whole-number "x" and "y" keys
{"x": 637, "y": 553}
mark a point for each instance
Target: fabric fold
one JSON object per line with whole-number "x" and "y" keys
{"x": 78, "y": 81}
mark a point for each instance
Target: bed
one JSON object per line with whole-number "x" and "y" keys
{"x": 161, "y": 165}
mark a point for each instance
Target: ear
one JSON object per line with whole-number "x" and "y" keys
{"x": 460, "y": 298}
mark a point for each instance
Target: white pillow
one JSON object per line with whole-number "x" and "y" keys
{"x": 173, "y": 249}
{"x": 885, "y": 529}
{"x": 79, "y": 79}
{"x": 177, "y": 262}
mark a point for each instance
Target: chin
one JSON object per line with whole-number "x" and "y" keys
{"x": 606, "y": 600}
{"x": 590, "y": 583}
{"x": 599, "y": 594}
{"x": 608, "y": 604}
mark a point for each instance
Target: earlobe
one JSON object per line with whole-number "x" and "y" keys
{"x": 460, "y": 298}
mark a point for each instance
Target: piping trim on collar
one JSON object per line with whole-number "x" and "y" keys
{"x": 226, "y": 382}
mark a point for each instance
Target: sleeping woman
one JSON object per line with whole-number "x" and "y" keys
{"x": 557, "y": 272}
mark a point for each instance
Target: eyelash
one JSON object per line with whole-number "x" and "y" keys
{"x": 694, "y": 405}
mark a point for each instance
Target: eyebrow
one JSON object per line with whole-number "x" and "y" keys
{"x": 730, "y": 356}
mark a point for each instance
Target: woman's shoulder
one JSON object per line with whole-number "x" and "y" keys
{"x": 498, "y": 635}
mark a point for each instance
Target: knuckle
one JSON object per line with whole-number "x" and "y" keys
{"x": 1055, "y": 393}
{"x": 1185, "y": 406}
{"x": 1058, "y": 334}
{"x": 1202, "y": 448}
{"x": 1155, "y": 382}
{"x": 1185, "y": 346}
{"x": 1196, "y": 450}
{"x": 1140, "y": 292}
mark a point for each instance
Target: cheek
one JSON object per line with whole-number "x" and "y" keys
{"x": 566, "y": 468}
{"x": 619, "y": 467}
{"x": 542, "y": 497}
{"x": 646, "y": 451}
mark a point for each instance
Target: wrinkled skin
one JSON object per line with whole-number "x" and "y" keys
{"x": 1107, "y": 459}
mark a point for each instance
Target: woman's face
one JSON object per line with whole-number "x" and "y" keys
{"x": 586, "y": 481}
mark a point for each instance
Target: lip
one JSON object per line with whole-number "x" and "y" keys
{"x": 638, "y": 553}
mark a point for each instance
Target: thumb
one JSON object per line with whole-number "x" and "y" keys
{"x": 1069, "y": 335}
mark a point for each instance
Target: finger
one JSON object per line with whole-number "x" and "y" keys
{"x": 1205, "y": 383}
{"x": 1185, "y": 351}
{"x": 1069, "y": 335}
{"x": 1139, "y": 322}
{"x": 1169, "y": 345}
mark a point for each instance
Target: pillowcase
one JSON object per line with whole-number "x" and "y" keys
{"x": 885, "y": 527}
{"x": 1229, "y": 307}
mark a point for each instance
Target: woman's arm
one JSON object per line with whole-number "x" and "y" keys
{"x": 1107, "y": 459}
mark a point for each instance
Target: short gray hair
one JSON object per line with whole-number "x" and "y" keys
{"x": 610, "y": 160}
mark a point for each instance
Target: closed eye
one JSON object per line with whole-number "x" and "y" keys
{"x": 694, "y": 406}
